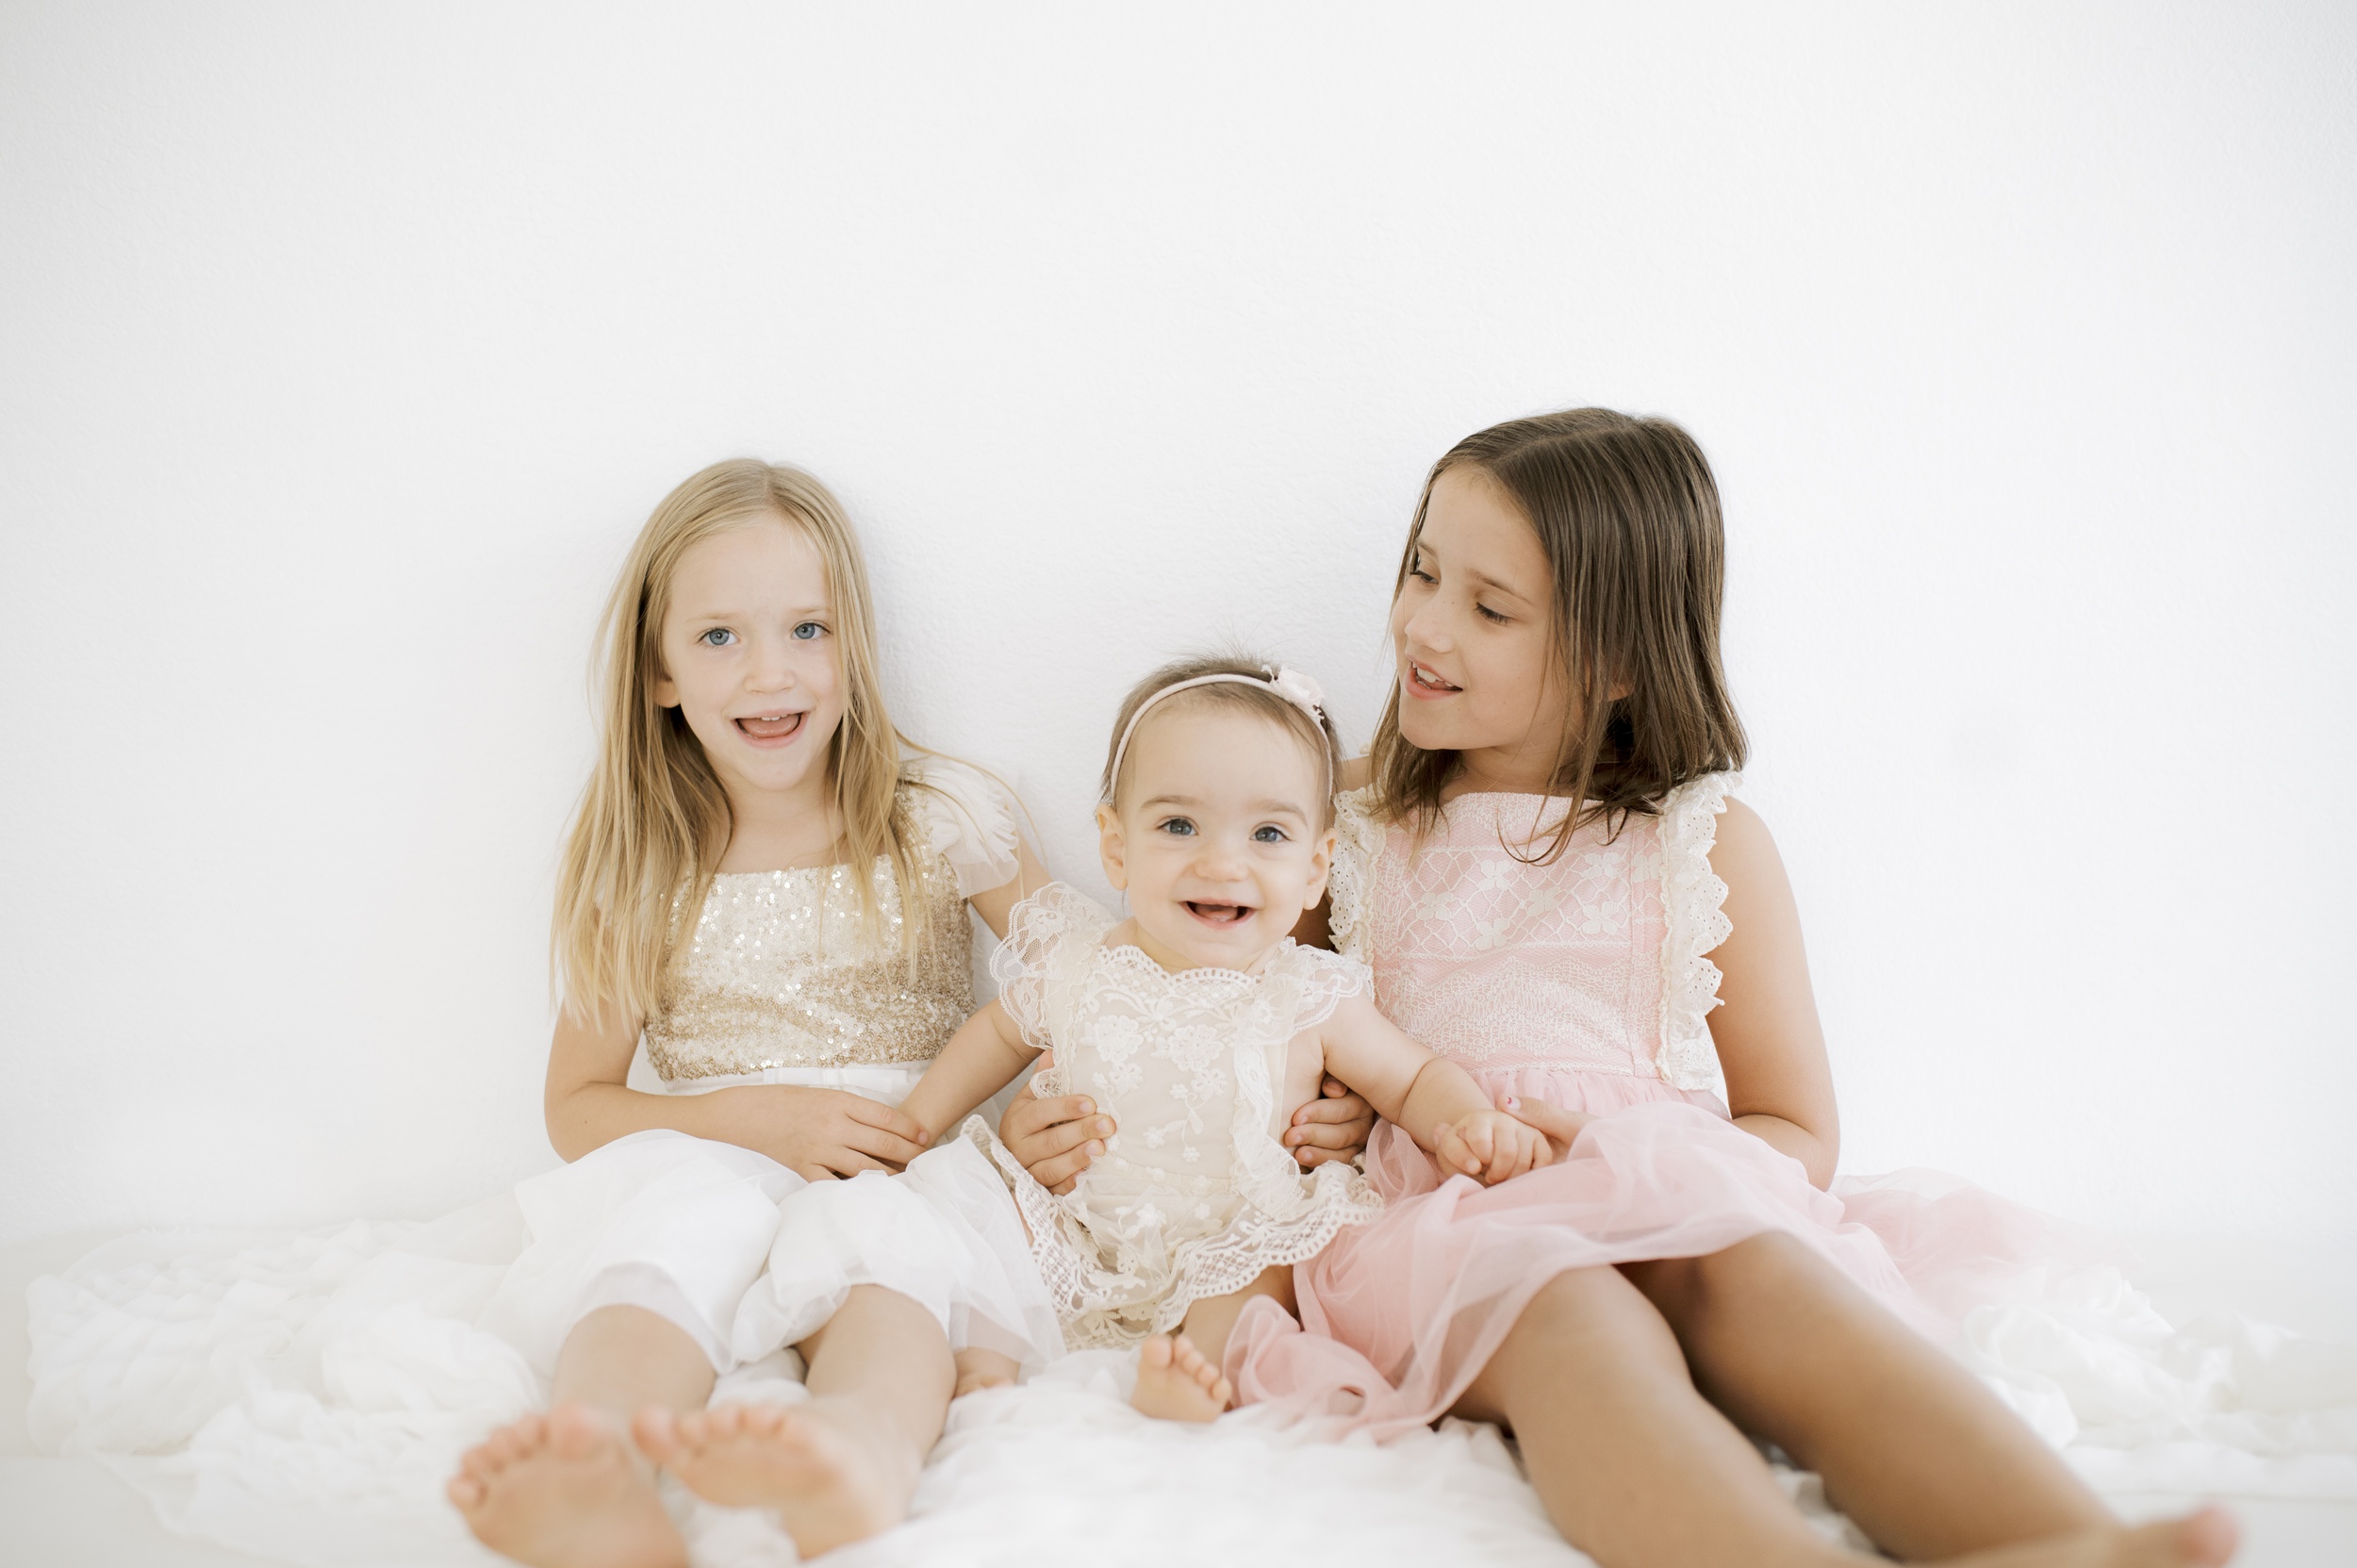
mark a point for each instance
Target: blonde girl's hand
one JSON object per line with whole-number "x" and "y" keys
{"x": 816, "y": 1133}
{"x": 1559, "y": 1126}
{"x": 1490, "y": 1147}
{"x": 1057, "y": 1138}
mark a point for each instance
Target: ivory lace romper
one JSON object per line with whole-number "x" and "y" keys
{"x": 1195, "y": 1196}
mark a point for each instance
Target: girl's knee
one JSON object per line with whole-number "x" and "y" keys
{"x": 1589, "y": 1304}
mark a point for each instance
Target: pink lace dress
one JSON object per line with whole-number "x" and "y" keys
{"x": 1585, "y": 983}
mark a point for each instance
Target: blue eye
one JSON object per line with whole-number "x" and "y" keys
{"x": 1178, "y": 827}
{"x": 809, "y": 631}
{"x": 720, "y": 637}
{"x": 1268, "y": 832}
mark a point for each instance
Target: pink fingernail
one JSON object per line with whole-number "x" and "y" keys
{"x": 1511, "y": 1103}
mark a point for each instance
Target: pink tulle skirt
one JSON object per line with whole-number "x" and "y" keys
{"x": 1399, "y": 1314}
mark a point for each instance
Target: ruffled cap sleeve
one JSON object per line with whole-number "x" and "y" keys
{"x": 1050, "y": 938}
{"x": 968, "y": 819}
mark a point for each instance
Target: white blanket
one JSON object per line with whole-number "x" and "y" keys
{"x": 337, "y": 1458}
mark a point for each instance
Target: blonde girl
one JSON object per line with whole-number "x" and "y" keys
{"x": 769, "y": 888}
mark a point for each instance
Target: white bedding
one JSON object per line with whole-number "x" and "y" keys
{"x": 1061, "y": 1470}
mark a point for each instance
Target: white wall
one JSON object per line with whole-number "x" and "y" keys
{"x": 342, "y": 350}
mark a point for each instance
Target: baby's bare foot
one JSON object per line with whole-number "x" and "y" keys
{"x": 2204, "y": 1539}
{"x": 835, "y": 1472}
{"x": 1177, "y": 1383}
{"x": 980, "y": 1369}
{"x": 561, "y": 1491}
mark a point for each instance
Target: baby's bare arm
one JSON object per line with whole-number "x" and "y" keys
{"x": 1433, "y": 1099}
{"x": 981, "y": 1059}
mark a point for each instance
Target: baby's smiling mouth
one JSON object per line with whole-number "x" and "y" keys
{"x": 1220, "y": 915}
{"x": 769, "y": 726}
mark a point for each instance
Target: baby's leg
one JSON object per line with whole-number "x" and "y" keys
{"x": 978, "y": 1369}
{"x": 566, "y": 1490}
{"x": 841, "y": 1467}
{"x": 1178, "y": 1377}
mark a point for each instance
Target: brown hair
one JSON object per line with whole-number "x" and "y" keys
{"x": 1254, "y": 695}
{"x": 1627, "y": 513}
{"x": 655, "y": 820}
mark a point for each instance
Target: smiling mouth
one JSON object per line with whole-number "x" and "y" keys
{"x": 769, "y": 728}
{"x": 1426, "y": 680}
{"x": 1220, "y": 915}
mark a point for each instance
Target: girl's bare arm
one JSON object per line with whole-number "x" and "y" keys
{"x": 816, "y": 1133}
{"x": 1773, "y": 1048}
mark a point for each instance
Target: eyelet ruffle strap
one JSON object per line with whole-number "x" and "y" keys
{"x": 1350, "y": 884}
{"x": 1691, "y": 900}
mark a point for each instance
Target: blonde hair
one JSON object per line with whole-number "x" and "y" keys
{"x": 654, "y": 821}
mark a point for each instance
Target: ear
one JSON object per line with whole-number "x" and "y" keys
{"x": 666, "y": 690}
{"x": 1321, "y": 866}
{"x": 1110, "y": 848}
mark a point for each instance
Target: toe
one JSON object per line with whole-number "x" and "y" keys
{"x": 767, "y": 1421}
{"x": 1156, "y": 1352}
{"x": 465, "y": 1492}
{"x": 575, "y": 1431}
{"x": 2209, "y": 1536}
{"x": 654, "y": 1430}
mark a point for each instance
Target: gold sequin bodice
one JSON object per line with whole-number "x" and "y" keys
{"x": 780, "y": 972}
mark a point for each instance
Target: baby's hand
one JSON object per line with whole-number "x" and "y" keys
{"x": 1490, "y": 1147}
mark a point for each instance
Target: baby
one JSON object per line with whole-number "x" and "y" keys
{"x": 1201, "y": 1027}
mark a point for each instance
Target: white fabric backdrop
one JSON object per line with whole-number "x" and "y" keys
{"x": 341, "y": 351}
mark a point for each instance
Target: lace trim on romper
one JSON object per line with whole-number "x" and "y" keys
{"x": 1181, "y": 1206}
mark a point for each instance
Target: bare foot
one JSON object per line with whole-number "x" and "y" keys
{"x": 1177, "y": 1383}
{"x": 835, "y": 1472}
{"x": 562, "y": 1490}
{"x": 2204, "y": 1539}
{"x": 980, "y": 1369}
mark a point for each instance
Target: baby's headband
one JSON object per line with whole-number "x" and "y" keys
{"x": 1291, "y": 685}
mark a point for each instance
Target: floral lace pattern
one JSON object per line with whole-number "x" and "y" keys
{"x": 1194, "y": 1197}
{"x": 1596, "y": 961}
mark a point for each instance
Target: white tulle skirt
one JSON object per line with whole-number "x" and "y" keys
{"x": 306, "y": 1398}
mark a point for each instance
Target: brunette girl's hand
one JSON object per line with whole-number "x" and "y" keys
{"x": 1490, "y": 1147}
{"x": 1559, "y": 1126}
{"x": 1053, "y": 1139}
{"x": 1335, "y": 1126}
{"x": 815, "y": 1134}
